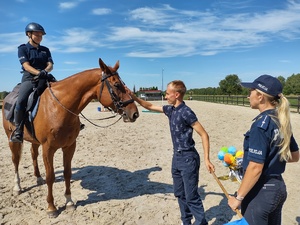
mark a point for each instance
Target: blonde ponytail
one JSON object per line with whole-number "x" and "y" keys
{"x": 285, "y": 128}
{"x": 283, "y": 121}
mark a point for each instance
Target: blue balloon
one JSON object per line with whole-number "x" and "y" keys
{"x": 221, "y": 155}
{"x": 225, "y": 164}
{"x": 232, "y": 150}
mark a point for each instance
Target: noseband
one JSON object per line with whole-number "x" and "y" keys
{"x": 119, "y": 104}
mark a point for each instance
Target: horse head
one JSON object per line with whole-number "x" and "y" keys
{"x": 120, "y": 101}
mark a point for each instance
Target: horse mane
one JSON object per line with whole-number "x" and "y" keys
{"x": 89, "y": 72}
{"x": 82, "y": 73}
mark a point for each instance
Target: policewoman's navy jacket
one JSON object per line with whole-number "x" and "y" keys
{"x": 261, "y": 144}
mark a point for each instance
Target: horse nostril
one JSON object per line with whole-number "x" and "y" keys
{"x": 135, "y": 115}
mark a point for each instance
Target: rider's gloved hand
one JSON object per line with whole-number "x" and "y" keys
{"x": 51, "y": 78}
{"x": 43, "y": 74}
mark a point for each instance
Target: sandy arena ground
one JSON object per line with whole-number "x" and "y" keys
{"x": 121, "y": 174}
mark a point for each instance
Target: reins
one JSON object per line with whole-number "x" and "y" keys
{"x": 116, "y": 100}
{"x": 102, "y": 119}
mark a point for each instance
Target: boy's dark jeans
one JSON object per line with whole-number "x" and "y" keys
{"x": 185, "y": 173}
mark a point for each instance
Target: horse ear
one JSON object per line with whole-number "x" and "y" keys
{"x": 117, "y": 65}
{"x": 102, "y": 64}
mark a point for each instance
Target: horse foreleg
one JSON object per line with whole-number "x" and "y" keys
{"x": 34, "y": 155}
{"x": 67, "y": 157}
{"x": 48, "y": 155}
{"x": 16, "y": 150}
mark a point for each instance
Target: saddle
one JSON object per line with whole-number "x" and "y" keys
{"x": 31, "y": 109}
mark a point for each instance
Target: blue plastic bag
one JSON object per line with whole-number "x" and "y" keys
{"x": 238, "y": 222}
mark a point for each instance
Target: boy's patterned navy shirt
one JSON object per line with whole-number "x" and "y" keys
{"x": 181, "y": 119}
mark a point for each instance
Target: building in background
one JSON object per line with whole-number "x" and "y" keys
{"x": 149, "y": 94}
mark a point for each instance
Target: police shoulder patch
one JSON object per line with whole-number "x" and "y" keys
{"x": 263, "y": 121}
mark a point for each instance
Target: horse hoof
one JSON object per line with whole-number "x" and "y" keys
{"x": 16, "y": 193}
{"x": 52, "y": 214}
{"x": 70, "y": 207}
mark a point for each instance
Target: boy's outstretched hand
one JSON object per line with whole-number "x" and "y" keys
{"x": 128, "y": 90}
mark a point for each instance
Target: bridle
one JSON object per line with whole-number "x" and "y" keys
{"x": 118, "y": 103}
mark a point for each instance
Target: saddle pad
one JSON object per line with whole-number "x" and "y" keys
{"x": 10, "y": 103}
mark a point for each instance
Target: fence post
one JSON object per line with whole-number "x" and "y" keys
{"x": 298, "y": 106}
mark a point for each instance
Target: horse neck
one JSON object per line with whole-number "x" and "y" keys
{"x": 77, "y": 91}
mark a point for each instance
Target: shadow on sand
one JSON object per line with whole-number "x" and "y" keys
{"x": 108, "y": 183}
{"x": 221, "y": 212}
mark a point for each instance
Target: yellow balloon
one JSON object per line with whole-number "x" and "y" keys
{"x": 239, "y": 154}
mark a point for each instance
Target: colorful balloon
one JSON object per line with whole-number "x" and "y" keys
{"x": 225, "y": 164}
{"x": 224, "y": 149}
{"x": 229, "y": 159}
{"x": 239, "y": 154}
{"x": 232, "y": 150}
{"x": 221, "y": 155}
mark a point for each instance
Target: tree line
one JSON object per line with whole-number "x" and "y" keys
{"x": 3, "y": 94}
{"x": 231, "y": 86}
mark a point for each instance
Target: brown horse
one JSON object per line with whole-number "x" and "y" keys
{"x": 57, "y": 122}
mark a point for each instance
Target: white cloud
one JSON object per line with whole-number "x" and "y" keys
{"x": 12, "y": 41}
{"x": 67, "y": 5}
{"x": 75, "y": 40}
{"x": 284, "y": 61}
{"x": 77, "y": 49}
{"x": 80, "y": 36}
{"x": 101, "y": 11}
{"x": 166, "y": 32}
{"x": 149, "y": 16}
{"x": 24, "y": 19}
{"x": 70, "y": 63}
{"x": 170, "y": 32}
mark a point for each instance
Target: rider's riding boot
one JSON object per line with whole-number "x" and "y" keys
{"x": 17, "y": 134}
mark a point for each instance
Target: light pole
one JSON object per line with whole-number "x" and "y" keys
{"x": 162, "y": 85}
{"x": 162, "y": 79}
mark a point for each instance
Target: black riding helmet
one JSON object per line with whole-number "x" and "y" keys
{"x": 34, "y": 27}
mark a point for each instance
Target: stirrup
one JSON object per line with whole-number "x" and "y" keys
{"x": 16, "y": 137}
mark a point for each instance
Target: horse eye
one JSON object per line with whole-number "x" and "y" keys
{"x": 117, "y": 85}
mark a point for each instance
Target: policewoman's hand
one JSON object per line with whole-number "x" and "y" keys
{"x": 233, "y": 202}
{"x": 43, "y": 74}
{"x": 51, "y": 78}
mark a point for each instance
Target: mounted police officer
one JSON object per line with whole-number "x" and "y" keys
{"x": 36, "y": 64}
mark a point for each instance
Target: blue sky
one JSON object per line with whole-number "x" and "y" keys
{"x": 197, "y": 41}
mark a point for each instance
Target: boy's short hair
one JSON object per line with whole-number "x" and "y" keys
{"x": 178, "y": 86}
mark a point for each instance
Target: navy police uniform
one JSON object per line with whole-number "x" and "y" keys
{"x": 268, "y": 195}
{"x": 38, "y": 59}
{"x": 185, "y": 163}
